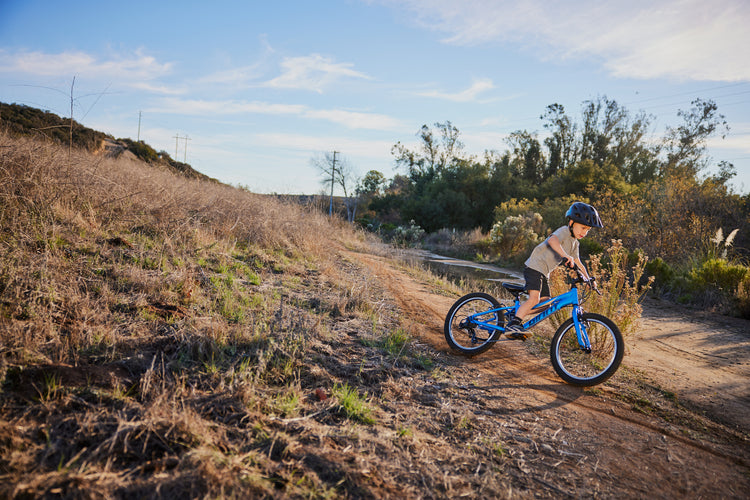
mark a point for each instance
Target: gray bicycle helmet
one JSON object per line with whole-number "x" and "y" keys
{"x": 585, "y": 214}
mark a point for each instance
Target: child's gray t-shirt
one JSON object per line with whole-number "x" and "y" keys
{"x": 544, "y": 259}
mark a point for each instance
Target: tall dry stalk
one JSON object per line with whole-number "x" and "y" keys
{"x": 623, "y": 286}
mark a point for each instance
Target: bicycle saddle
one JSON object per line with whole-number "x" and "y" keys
{"x": 514, "y": 288}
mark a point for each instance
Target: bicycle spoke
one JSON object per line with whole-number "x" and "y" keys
{"x": 462, "y": 329}
{"x": 580, "y": 366}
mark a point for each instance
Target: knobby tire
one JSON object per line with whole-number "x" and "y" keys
{"x": 577, "y": 367}
{"x": 469, "y": 339}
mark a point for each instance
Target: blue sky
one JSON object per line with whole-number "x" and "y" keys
{"x": 262, "y": 88}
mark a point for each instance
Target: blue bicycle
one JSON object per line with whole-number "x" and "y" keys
{"x": 586, "y": 349}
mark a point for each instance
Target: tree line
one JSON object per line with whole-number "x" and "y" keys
{"x": 652, "y": 193}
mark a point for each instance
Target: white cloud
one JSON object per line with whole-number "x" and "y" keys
{"x": 158, "y": 89}
{"x": 307, "y": 143}
{"x": 469, "y": 95}
{"x": 349, "y": 119}
{"x": 129, "y": 69}
{"x": 679, "y": 39}
{"x": 234, "y": 77}
{"x": 738, "y": 139}
{"x": 225, "y": 107}
{"x": 356, "y": 120}
{"x": 313, "y": 72}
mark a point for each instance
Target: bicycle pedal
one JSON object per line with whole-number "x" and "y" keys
{"x": 518, "y": 336}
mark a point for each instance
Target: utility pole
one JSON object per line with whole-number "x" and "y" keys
{"x": 139, "y": 126}
{"x": 186, "y": 139}
{"x": 333, "y": 176}
{"x": 176, "y": 146}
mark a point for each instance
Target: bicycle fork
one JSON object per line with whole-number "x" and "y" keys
{"x": 581, "y": 327}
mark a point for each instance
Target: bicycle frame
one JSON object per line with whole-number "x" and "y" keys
{"x": 554, "y": 304}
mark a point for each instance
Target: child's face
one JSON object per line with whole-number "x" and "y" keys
{"x": 580, "y": 231}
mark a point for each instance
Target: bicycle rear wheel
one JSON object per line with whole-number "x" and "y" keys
{"x": 580, "y": 367}
{"x": 463, "y": 334}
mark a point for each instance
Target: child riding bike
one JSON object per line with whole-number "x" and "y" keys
{"x": 561, "y": 247}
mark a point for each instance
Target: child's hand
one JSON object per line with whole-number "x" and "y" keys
{"x": 569, "y": 261}
{"x": 592, "y": 284}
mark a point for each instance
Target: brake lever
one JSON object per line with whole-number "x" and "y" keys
{"x": 592, "y": 284}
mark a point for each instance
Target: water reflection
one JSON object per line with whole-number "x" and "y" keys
{"x": 457, "y": 269}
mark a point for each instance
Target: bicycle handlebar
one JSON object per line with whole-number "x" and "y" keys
{"x": 590, "y": 282}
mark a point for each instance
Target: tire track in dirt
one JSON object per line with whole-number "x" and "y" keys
{"x": 538, "y": 388}
{"x": 704, "y": 359}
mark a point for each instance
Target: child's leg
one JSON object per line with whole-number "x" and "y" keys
{"x": 536, "y": 286}
{"x": 528, "y": 304}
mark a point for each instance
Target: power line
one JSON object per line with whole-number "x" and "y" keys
{"x": 680, "y": 94}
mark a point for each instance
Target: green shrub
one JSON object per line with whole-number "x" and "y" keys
{"x": 590, "y": 247}
{"x": 718, "y": 273}
{"x": 141, "y": 150}
{"x": 552, "y": 210}
{"x": 715, "y": 282}
{"x": 407, "y": 236}
{"x": 743, "y": 297}
{"x": 516, "y": 235}
{"x": 662, "y": 272}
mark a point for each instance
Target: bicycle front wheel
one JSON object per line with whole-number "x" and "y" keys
{"x": 461, "y": 329}
{"x": 579, "y": 366}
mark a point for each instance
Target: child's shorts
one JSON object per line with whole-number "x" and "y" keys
{"x": 536, "y": 281}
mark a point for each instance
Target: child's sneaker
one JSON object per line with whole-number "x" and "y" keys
{"x": 518, "y": 335}
{"x": 514, "y": 329}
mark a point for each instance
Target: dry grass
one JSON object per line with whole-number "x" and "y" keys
{"x": 169, "y": 338}
{"x": 165, "y": 337}
{"x": 83, "y": 243}
{"x": 149, "y": 321}
{"x": 622, "y": 285}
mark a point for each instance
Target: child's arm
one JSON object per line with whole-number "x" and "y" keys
{"x": 554, "y": 244}
{"x": 582, "y": 268}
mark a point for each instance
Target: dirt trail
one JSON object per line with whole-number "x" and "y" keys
{"x": 703, "y": 362}
{"x": 704, "y": 359}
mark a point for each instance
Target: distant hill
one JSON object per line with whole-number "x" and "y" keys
{"x": 20, "y": 119}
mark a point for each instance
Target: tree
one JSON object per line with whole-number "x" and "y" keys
{"x": 686, "y": 144}
{"x": 561, "y": 144}
{"x": 527, "y": 156}
{"x": 434, "y": 154}
{"x": 372, "y": 182}
{"x": 607, "y": 134}
{"x": 603, "y": 120}
{"x": 338, "y": 172}
{"x": 637, "y": 160}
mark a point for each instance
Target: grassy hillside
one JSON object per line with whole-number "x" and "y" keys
{"x": 152, "y": 326}
{"x": 25, "y": 121}
{"x": 167, "y": 337}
